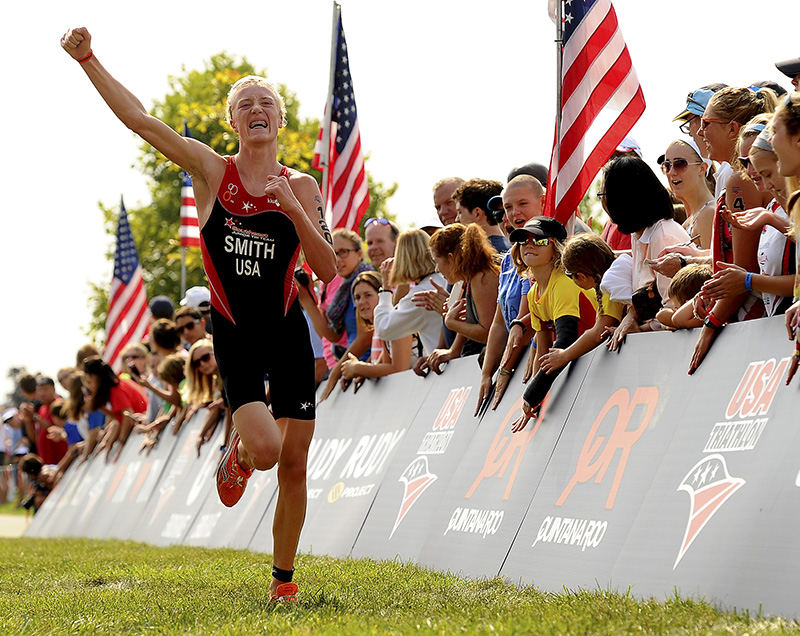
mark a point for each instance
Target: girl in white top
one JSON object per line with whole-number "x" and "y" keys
{"x": 414, "y": 266}
{"x": 641, "y": 207}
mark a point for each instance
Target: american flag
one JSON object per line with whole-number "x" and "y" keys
{"x": 601, "y": 100}
{"x": 128, "y": 315}
{"x": 190, "y": 228}
{"x": 348, "y": 195}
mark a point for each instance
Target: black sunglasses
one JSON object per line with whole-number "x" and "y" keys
{"x": 188, "y": 325}
{"x": 196, "y": 362}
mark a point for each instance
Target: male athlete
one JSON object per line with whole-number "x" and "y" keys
{"x": 255, "y": 215}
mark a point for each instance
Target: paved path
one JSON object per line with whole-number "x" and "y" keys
{"x": 12, "y": 525}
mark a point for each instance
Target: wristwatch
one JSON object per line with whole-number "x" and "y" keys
{"x": 383, "y": 289}
{"x": 520, "y": 323}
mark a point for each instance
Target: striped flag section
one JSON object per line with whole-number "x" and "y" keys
{"x": 190, "y": 228}
{"x": 601, "y": 100}
{"x": 348, "y": 195}
{"x": 128, "y": 314}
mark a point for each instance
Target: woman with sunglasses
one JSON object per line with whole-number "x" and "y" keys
{"x": 340, "y": 317}
{"x": 557, "y": 304}
{"x": 640, "y": 206}
{"x": 727, "y": 113}
{"x": 685, "y": 170}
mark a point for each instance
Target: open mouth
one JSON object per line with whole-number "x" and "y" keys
{"x": 259, "y": 124}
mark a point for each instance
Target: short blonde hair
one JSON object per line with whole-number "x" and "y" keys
{"x": 254, "y": 80}
{"x": 412, "y": 258}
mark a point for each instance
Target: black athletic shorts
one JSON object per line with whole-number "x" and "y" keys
{"x": 278, "y": 348}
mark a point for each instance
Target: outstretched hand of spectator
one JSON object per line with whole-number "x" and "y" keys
{"x": 438, "y": 357}
{"x": 667, "y": 265}
{"x": 791, "y": 317}
{"x": 56, "y": 434}
{"x": 727, "y": 282}
{"x": 528, "y": 412}
{"x": 627, "y": 325}
{"x": 349, "y": 366}
{"x": 432, "y": 299}
{"x": 421, "y": 367}
{"x": 553, "y": 360}
{"x": 753, "y": 219}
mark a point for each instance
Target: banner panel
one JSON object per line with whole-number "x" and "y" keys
{"x": 422, "y": 468}
{"x": 355, "y": 439}
{"x": 474, "y": 525}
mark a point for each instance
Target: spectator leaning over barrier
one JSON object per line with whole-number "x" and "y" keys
{"x": 28, "y": 408}
{"x": 386, "y": 357}
{"x": 640, "y": 206}
{"x": 463, "y": 255}
{"x": 51, "y": 451}
{"x": 774, "y": 279}
{"x": 341, "y": 314}
{"x": 67, "y": 431}
{"x": 685, "y": 171}
{"x": 684, "y": 286}
{"x": 510, "y": 333}
{"x": 472, "y": 199}
{"x": 585, "y": 259}
{"x": 557, "y": 304}
{"x": 118, "y": 398}
{"x": 171, "y": 373}
{"x": 89, "y": 424}
{"x": 443, "y": 200}
{"x": 792, "y": 313}
{"x": 190, "y": 325}
{"x": 727, "y": 112}
{"x": 785, "y": 139}
{"x": 414, "y": 266}
{"x": 204, "y": 390}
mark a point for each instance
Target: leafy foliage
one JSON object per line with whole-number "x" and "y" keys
{"x": 199, "y": 97}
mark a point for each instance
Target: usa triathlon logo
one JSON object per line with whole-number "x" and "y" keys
{"x": 709, "y": 485}
{"x": 415, "y": 478}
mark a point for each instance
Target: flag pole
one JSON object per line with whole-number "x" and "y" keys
{"x": 325, "y": 155}
{"x": 183, "y": 271}
{"x": 559, "y": 69}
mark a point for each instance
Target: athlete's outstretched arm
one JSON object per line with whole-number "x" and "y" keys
{"x": 192, "y": 155}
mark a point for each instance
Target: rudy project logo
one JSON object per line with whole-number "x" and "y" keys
{"x": 709, "y": 485}
{"x": 416, "y": 478}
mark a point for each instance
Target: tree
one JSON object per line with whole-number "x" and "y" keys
{"x": 199, "y": 97}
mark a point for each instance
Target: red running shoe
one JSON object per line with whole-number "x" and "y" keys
{"x": 231, "y": 476}
{"x": 286, "y": 593}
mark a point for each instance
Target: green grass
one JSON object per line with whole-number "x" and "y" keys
{"x": 111, "y": 587}
{"x": 10, "y": 508}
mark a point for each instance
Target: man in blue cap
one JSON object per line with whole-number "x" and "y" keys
{"x": 696, "y": 103}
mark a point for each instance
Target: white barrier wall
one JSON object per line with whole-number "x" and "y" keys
{"x": 636, "y": 476}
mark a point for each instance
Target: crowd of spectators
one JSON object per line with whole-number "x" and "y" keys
{"x": 710, "y": 242}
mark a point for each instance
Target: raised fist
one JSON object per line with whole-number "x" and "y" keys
{"x": 77, "y": 42}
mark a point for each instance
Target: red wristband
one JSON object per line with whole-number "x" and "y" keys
{"x": 714, "y": 320}
{"x": 87, "y": 58}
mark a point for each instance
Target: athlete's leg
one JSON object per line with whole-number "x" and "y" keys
{"x": 260, "y": 444}
{"x": 290, "y": 510}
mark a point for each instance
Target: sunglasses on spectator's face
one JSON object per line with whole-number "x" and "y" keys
{"x": 188, "y": 325}
{"x": 196, "y": 362}
{"x": 684, "y": 127}
{"x": 344, "y": 251}
{"x": 679, "y": 164}
{"x": 705, "y": 122}
{"x": 376, "y": 220}
{"x": 539, "y": 242}
{"x": 132, "y": 356}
